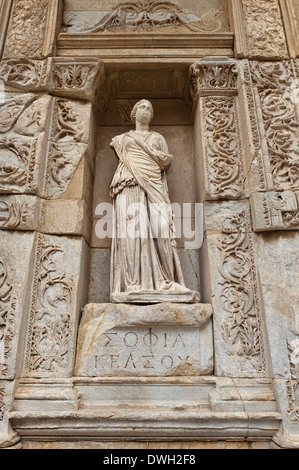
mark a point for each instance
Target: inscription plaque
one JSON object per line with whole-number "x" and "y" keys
{"x": 165, "y": 340}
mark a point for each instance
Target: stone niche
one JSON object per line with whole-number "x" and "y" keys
{"x": 165, "y": 87}
{"x": 180, "y": 337}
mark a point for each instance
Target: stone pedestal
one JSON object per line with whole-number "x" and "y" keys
{"x": 165, "y": 339}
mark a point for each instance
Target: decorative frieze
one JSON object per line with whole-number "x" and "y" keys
{"x": 147, "y": 15}
{"x": 264, "y": 29}
{"x": 15, "y": 277}
{"x": 235, "y": 293}
{"x": 82, "y": 78}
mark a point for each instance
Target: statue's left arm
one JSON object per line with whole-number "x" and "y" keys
{"x": 165, "y": 158}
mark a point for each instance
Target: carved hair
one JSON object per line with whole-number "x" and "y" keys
{"x": 134, "y": 110}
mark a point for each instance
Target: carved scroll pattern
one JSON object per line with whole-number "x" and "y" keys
{"x": 264, "y": 28}
{"x": 50, "y": 319}
{"x": 241, "y": 329}
{"x": 26, "y": 30}
{"x": 256, "y": 156}
{"x": 273, "y": 82}
{"x": 293, "y": 384}
{"x": 25, "y": 73}
{"x": 7, "y": 312}
{"x": 223, "y": 147}
{"x": 216, "y": 86}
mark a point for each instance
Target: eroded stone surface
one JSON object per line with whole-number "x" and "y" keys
{"x": 163, "y": 339}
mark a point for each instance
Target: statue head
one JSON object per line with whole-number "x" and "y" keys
{"x": 143, "y": 110}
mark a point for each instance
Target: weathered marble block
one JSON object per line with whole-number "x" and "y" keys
{"x": 153, "y": 340}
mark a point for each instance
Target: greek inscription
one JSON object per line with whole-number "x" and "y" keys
{"x": 131, "y": 339}
{"x": 179, "y": 339}
{"x": 130, "y": 360}
{"x": 107, "y": 335}
{"x": 148, "y": 364}
{"x": 167, "y": 362}
{"x": 148, "y": 351}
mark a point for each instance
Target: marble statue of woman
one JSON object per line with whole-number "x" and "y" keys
{"x": 145, "y": 267}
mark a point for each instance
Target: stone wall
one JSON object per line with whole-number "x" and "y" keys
{"x": 224, "y": 83}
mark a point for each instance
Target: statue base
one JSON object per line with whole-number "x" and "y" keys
{"x": 155, "y": 297}
{"x": 164, "y": 339}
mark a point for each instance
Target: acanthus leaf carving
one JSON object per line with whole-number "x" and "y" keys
{"x": 26, "y": 74}
{"x": 50, "y": 325}
{"x": 13, "y": 214}
{"x": 213, "y": 78}
{"x": 272, "y": 81}
{"x": 10, "y": 109}
{"x": 17, "y": 164}
{"x": 241, "y": 327}
{"x": 223, "y": 150}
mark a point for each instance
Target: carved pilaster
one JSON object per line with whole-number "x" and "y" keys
{"x": 235, "y": 292}
{"x": 214, "y": 90}
{"x": 274, "y": 90}
{"x": 58, "y": 294}
{"x": 241, "y": 328}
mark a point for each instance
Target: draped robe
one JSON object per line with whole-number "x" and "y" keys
{"x": 144, "y": 256}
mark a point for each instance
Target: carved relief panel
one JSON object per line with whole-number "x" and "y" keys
{"x": 214, "y": 90}
{"x": 236, "y": 297}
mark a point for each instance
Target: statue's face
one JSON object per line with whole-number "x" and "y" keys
{"x": 144, "y": 112}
